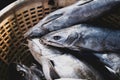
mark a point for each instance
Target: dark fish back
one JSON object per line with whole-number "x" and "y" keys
{"x": 111, "y": 20}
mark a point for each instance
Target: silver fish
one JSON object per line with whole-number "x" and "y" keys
{"x": 80, "y": 12}
{"x": 20, "y": 71}
{"x": 85, "y": 37}
{"x": 59, "y": 65}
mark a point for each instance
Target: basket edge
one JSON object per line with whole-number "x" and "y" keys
{"x": 10, "y": 7}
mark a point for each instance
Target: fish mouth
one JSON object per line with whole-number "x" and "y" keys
{"x": 50, "y": 43}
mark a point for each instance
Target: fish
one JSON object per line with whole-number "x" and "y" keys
{"x": 22, "y": 72}
{"x": 84, "y": 11}
{"x": 58, "y": 64}
{"x": 84, "y": 37}
{"x": 112, "y": 60}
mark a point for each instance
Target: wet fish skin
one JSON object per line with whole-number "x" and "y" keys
{"x": 71, "y": 15}
{"x": 65, "y": 65}
{"x": 22, "y": 72}
{"x": 85, "y": 37}
{"x": 111, "y": 60}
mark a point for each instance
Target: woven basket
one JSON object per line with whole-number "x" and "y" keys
{"x": 15, "y": 20}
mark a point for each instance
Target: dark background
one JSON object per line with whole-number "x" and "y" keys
{"x": 4, "y": 3}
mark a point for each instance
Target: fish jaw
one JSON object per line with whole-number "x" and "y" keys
{"x": 47, "y": 42}
{"x": 50, "y": 43}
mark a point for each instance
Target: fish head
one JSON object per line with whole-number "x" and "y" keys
{"x": 55, "y": 39}
{"x": 34, "y": 46}
{"x": 60, "y": 38}
{"x": 19, "y": 71}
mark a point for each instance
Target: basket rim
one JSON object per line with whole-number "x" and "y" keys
{"x": 10, "y": 7}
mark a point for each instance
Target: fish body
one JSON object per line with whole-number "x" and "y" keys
{"x": 20, "y": 71}
{"x": 80, "y": 12}
{"x": 85, "y": 37}
{"x": 63, "y": 65}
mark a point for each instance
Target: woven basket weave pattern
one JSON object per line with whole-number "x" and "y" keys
{"x": 14, "y": 24}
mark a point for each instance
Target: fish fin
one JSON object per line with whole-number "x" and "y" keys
{"x": 110, "y": 69}
{"x": 51, "y": 18}
{"x": 82, "y": 2}
{"x": 48, "y": 69}
{"x": 38, "y": 72}
{"x": 53, "y": 73}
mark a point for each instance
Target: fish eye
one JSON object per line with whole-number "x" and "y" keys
{"x": 56, "y": 37}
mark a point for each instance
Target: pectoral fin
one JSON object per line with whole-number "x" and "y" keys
{"x": 51, "y": 18}
{"x": 48, "y": 69}
{"x": 53, "y": 73}
{"x": 82, "y": 2}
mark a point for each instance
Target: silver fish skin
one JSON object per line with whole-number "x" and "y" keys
{"x": 65, "y": 65}
{"x": 20, "y": 71}
{"x": 112, "y": 60}
{"x": 85, "y": 37}
{"x": 82, "y": 11}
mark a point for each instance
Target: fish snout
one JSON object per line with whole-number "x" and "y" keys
{"x": 34, "y": 33}
{"x": 34, "y": 47}
{"x": 31, "y": 35}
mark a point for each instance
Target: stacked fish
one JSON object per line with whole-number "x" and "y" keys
{"x": 69, "y": 47}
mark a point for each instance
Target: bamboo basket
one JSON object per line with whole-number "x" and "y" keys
{"x": 15, "y": 20}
